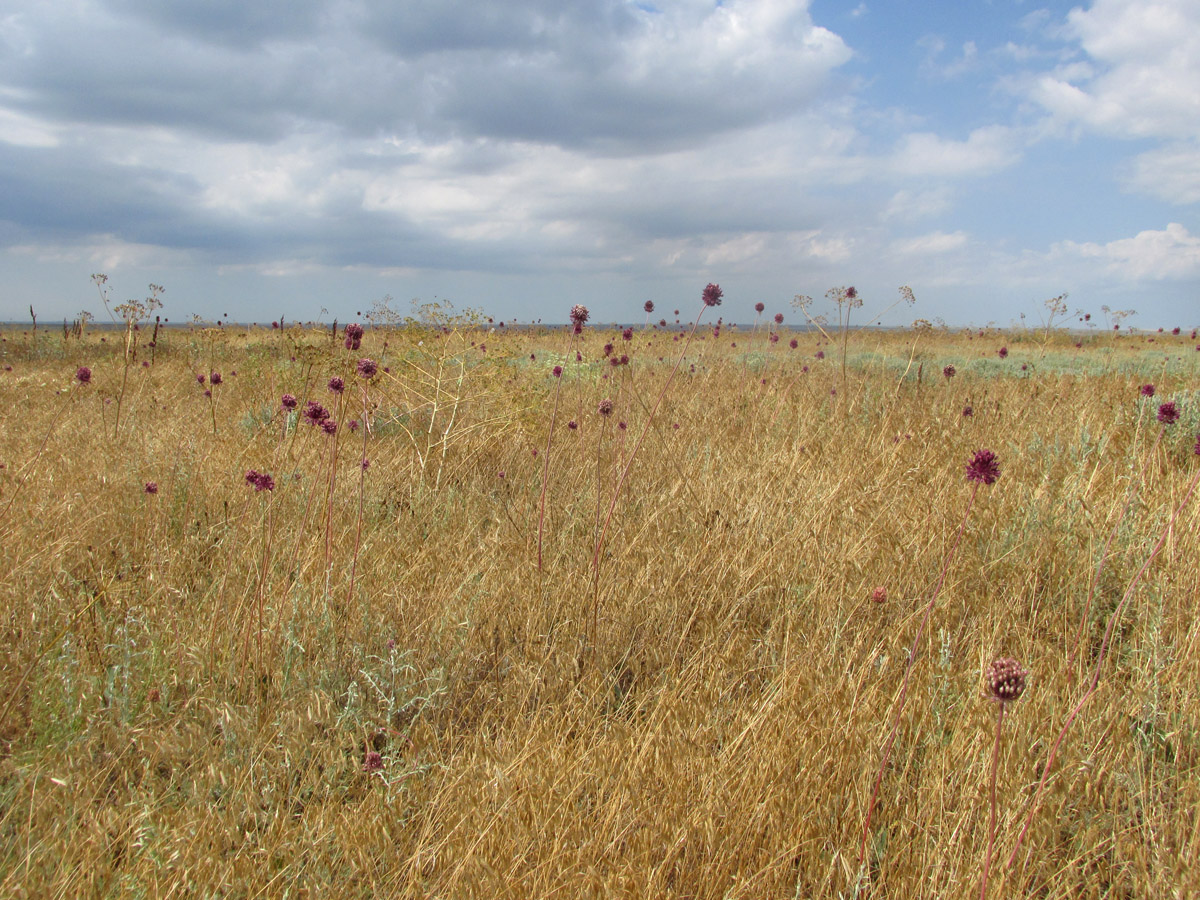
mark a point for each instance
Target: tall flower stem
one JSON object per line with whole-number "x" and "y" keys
{"x": 629, "y": 463}
{"x": 912, "y": 658}
{"x": 987, "y": 859}
{"x": 546, "y": 464}
{"x": 1100, "y": 660}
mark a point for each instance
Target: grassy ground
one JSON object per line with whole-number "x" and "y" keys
{"x": 360, "y": 682}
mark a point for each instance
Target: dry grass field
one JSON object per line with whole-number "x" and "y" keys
{"x": 237, "y": 662}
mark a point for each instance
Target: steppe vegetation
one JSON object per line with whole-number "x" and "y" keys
{"x": 441, "y": 608}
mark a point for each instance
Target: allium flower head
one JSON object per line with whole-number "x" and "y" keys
{"x": 315, "y": 413}
{"x": 793, "y": 343}
{"x": 557, "y": 371}
{"x": 968, "y": 411}
{"x": 949, "y": 371}
{"x": 289, "y": 402}
{"x": 329, "y": 426}
{"x": 712, "y": 294}
{"x": 1003, "y": 352}
{"x": 1006, "y": 680}
{"x": 83, "y": 375}
{"x": 778, "y": 318}
{"x": 367, "y": 368}
{"x": 151, "y": 487}
{"x": 648, "y": 306}
{"x": 1168, "y": 413}
{"x": 1147, "y": 390}
{"x": 759, "y": 307}
{"x": 354, "y": 336}
{"x": 579, "y": 314}
{"x": 337, "y": 384}
{"x": 260, "y": 481}
{"x": 215, "y": 378}
{"x": 627, "y": 334}
{"x": 373, "y": 762}
{"x": 879, "y": 595}
{"x": 983, "y": 467}
{"x": 605, "y": 408}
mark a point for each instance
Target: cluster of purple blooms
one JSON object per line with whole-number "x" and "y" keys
{"x": 260, "y": 481}
{"x": 354, "y": 336}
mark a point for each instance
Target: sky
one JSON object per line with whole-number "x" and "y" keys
{"x": 309, "y": 158}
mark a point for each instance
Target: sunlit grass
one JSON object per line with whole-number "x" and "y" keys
{"x": 192, "y": 680}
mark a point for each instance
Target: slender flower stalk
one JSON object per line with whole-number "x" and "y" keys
{"x": 1101, "y": 657}
{"x": 982, "y": 469}
{"x": 1006, "y": 683}
{"x": 546, "y": 462}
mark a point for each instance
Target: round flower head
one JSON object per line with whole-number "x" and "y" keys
{"x": 778, "y": 318}
{"x": 579, "y": 314}
{"x": 289, "y": 402}
{"x": 354, "y": 336}
{"x": 983, "y": 467}
{"x": 1006, "y": 680}
{"x": 793, "y": 343}
{"x": 329, "y": 426}
{"x": 879, "y": 595}
{"x": 1003, "y": 352}
{"x": 1147, "y": 390}
{"x": 83, "y": 375}
{"x": 557, "y": 370}
{"x": 949, "y": 371}
{"x": 712, "y": 294}
{"x": 315, "y": 413}
{"x": 648, "y": 306}
{"x": 336, "y": 384}
{"x": 215, "y": 378}
{"x": 759, "y": 307}
{"x": 627, "y": 334}
{"x": 367, "y": 368}
{"x": 968, "y": 411}
{"x": 1168, "y": 413}
{"x": 151, "y": 487}
{"x": 605, "y": 408}
{"x": 372, "y": 762}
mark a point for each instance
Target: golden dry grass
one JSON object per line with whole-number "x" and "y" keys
{"x": 720, "y": 732}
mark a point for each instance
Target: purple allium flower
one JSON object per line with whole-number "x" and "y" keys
{"x": 367, "y": 368}
{"x": 605, "y": 408}
{"x": 354, "y": 336}
{"x": 759, "y": 307}
{"x": 851, "y": 292}
{"x": 336, "y": 384}
{"x": 968, "y": 411}
{"x": 778, "y": 318}
{"x": 289, "y": 402}
{"x": 207, "y": 393}
{"x": 579, "y": 315}
{"x": 329, "y": 426}
{"x": 83, "y": 375}
{"x": 557, "y": 371}
{"x": 627, "y": 334}
{"x": 366, "y": 464}
{"x": 624, "y": 359}
{"x": 578, "y": 356}
{"x": 1006, "y": 680}
{"x": 151, "y": 487}
{"x": 1198, "y": 445}
{"x": 373, "y": 762}
{"x": 621, "y": 425}
{"x": 1168, "y": 413}
{"x": 1175, "y": 330}
{"x": 820, "y": 354}
{"x": 648, "y": 306}
{"x": 200, "y": 379}
{"x": 315, "y": 413}
{"x": 983, "y": 467}
{"x": 608, "y": 349}
{"x": 1003, "y": 352}
{"x": 879, "y": 595}
{"x": 614, "y": 361}
{"x": 1147, "y": 390}
{"x": 352, "y": 424}
{"x": 712, "y": 295}
{"x": 572, "y": 424}
{"x": 215, "y": 378}
{"x": 949, "y": 371}
{"x": 774, "y": 338}
{"x": 260, "y": 481}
